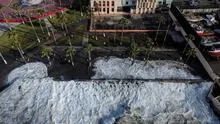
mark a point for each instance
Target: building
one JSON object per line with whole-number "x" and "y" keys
{"x": 127, "y": 6}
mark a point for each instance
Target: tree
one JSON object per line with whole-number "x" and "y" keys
{"x": 123, "y": 22}
{"x": 188, "y": 38}
{"x": 17, "y": 6}
{"x": 80, "y": 8}
{"x": 47, "y": 52}
{"x": 148, "y": 49}
{"x": 40, "y": 12}
{"x": 15, "y": 44}
{"x": 165, "y": 37}
{"x": 70, "y": 52}
{"x": 135, "y": 50}
{"x": 190, "y": 53}
{"x": 1, "y": 6}
{"x": 161, "y": 20}
{"x": 89, "y": 49}
{"x": 38, "y": 39}
{"x": 63, "y": 19}
{"x": 2, "y": 57}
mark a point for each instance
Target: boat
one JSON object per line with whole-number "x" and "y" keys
{"x": 215, "y": 52}
{"x": 210, "y": 41}
{"x": 199, "y": 29}
{"x": 193, "y": 18}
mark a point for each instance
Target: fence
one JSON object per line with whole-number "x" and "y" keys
{"x": 25, "y": 19}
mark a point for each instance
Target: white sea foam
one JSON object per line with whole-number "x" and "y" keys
{"x": 124, "y": 69}
{"x": 89, "y": 102}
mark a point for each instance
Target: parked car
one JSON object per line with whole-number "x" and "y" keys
{"x": 194, "y": 3}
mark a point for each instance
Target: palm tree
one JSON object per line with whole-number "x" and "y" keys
{"x": 80, "y": 4}
{"x": 29, "y": 18}
{"x": 89, "y": 49}
{"x": 148, "y": 50}
{"x": 93, "y": 17}
{"x": 15, "y": 44}
{"x": 188, "y": 38}
{"x": 47, "y": 52}
{"x": 1, "y": 6}
{"x": 70, "y": 52}
{"x": 190, "y": 53}
{"x": 165, "y": 37}
{"x": 41, "y": 11}
{"x": 17, "y": 6}
{"x": 161, "y": 20}
{"x": 135, "y": 50}
{"x": 2, "y": 57}
{"x": 63, "y": 18}
{"x": 123, "y": 22}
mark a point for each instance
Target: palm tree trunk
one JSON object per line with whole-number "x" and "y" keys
{"x": 166, "y": 35}
{"x": 133, "y": 58}
{"x": 66, "y": 30}
{"x": 19, "y": 45}
{"x": 48, "y": 58}
{"x": 122, "y": 34}
{"x": 114, "y": 34}
{"x": 38, "y": 39}
{"x": 22, "y": 56}
{"x": 80, "y": 4}
{"x": 90, "y": 58}
{"x": 71, "y": 59}
{"x": 20, "y": 16}
{"x": 157, "y": 31}
{"x": 147, "y": 59}
{"x": 62, "y": 25}
{"x": 48, "y": 32}
{"x": 184, "y": 50}
{"x": 69, "y": 41}
{"x": 3, "y": 58}
{"x": 54, "y": 38}
{"x": 41, "y": 26}
{"x": 187, "y": 59}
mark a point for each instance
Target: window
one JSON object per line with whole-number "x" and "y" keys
{"x": 113, "y": 3}
{"x": 107, "y": 3}
{"x": 103, "y": 3}
{"x": 126, "y": 2}
{"x": 113, "y": 9}
{"x": 103, "y": 9}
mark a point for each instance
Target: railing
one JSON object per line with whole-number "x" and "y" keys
{"x": 25, "y": 19}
